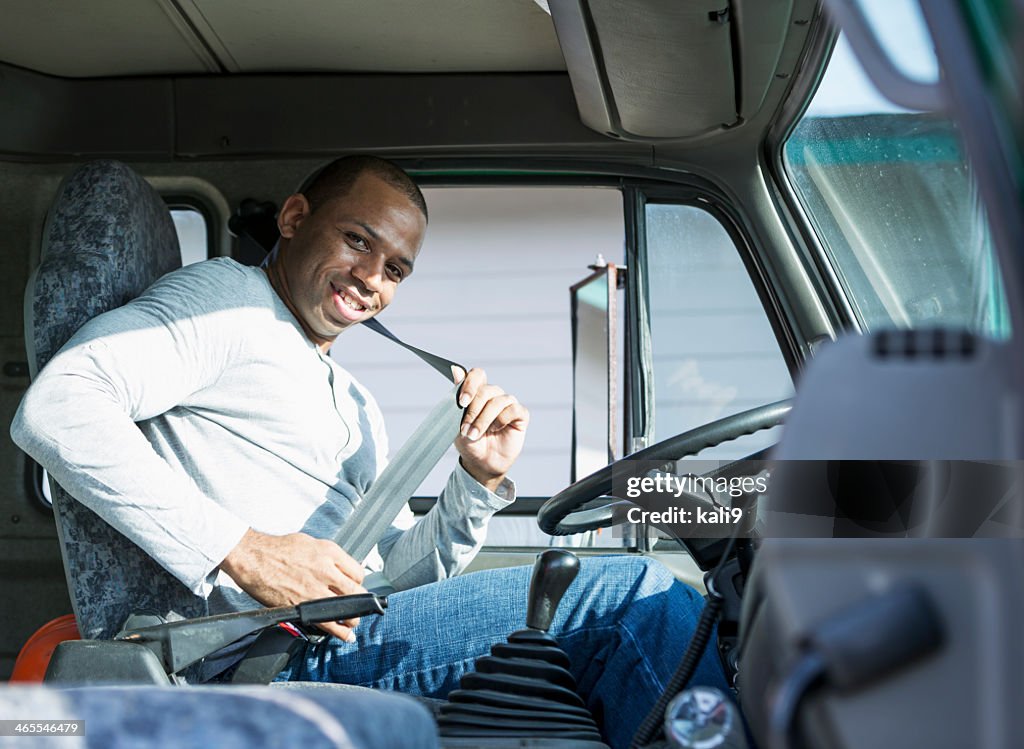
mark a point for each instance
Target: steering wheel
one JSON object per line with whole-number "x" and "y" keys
{"x": 558, "y": 516}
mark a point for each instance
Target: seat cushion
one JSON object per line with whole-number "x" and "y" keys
{"x": 434, "y": 706}
{"x": 226, "y": 717}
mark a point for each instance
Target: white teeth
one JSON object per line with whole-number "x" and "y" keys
{"x": 353, "y": 304}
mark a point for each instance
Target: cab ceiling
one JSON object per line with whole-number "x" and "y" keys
{"x": 159, "y": 79}
{"x": 104, "y": 38}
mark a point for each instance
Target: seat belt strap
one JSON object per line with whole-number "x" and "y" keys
{"x": 375, "y": 513}
{"x": 267, "y": 657}
{"x": 396, "y": 484}
{"x": 439, "y": 363}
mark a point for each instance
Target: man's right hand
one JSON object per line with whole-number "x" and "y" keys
{"x": 288, "y": 570}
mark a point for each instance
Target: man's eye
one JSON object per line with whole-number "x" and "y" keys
{"x": 356, "y": 241}
{"x": 396, "y": 272}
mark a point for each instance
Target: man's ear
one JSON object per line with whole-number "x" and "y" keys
{"x": 293, "y": 212}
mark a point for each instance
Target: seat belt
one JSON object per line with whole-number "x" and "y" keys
{"x": 378, "y": 509}
{"x": 395, "y": 485}
{"x": 271, "y": 650}
{"x": 393, "y": 488}
{"x": 439, "y": 363}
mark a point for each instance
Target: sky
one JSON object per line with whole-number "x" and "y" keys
{"x": 846, "y": 89}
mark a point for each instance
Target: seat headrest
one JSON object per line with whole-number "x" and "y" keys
{"x": 907, "y": 432}
{"x": 107, "y": 238}
{"x": 905, "y": 395}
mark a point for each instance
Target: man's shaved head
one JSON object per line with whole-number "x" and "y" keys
{"x": 337, "y": 178}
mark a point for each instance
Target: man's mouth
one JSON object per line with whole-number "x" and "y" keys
{"x": 347, "y": 305}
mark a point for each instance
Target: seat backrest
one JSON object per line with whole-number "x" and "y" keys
{"x": 934, "y": 406}
{"x": 108, "y": 237}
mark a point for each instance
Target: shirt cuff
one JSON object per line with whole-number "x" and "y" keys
{"x": 229, "y": 535}
{"x": 494, "y": 501}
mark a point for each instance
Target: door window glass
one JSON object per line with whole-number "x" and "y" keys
{"x": 714, "y": 351}
{"x": 490, "y": 290}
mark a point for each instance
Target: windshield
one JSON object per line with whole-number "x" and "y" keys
{"x": 894, "y": 203}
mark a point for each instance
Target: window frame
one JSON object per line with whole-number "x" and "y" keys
{"x": 787, "y": 204}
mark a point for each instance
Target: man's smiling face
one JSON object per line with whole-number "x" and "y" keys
{"x": 341, "y": 263}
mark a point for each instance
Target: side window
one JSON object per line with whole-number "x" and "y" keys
{"x": 491, "y": 290}
{"x": 193, "y": 236}
{"x": 714, "y": 351}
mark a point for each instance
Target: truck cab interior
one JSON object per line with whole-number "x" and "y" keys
{"x": 788, "y": 233}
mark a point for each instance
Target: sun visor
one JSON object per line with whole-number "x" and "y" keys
{"x": 667, "y": 69}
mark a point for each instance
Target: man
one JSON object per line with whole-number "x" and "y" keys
{"x": 339, "y": 263}
{"x": 206, "y": 422}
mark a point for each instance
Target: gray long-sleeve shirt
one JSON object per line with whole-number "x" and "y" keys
{"x": 201, "y": 409}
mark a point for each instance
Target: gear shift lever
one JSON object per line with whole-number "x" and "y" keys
{"x": 524, "y": 690}
{"x": 553, "y": 573}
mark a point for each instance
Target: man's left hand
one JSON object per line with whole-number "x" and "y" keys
{"x": 493, "y": 429}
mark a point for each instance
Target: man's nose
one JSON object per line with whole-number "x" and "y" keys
{"x": 370, "y": 272}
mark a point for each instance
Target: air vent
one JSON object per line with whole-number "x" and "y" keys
{"x": 935, "y": 344}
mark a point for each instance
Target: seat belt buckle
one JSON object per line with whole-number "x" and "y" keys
{"x": 293, "y": 630}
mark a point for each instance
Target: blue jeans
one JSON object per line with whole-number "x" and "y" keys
{"x": 625, "y": 623}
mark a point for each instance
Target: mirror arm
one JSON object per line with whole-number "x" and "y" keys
{"x": 877, "y": 64}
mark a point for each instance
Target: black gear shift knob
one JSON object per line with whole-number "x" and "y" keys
{"x": 553, "y": 572}
{"x": 525, "y": 688}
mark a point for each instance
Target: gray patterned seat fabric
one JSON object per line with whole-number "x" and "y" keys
{"x": 224, "y": 717}
{"x": 108, "y": 237}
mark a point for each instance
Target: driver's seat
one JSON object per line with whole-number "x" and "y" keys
{"x": 108, "y": 236}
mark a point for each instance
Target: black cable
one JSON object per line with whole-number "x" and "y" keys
{"x": 721, "y": 562}
{"x": 652, "y": 723}
{"x": 807, "y": 672}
